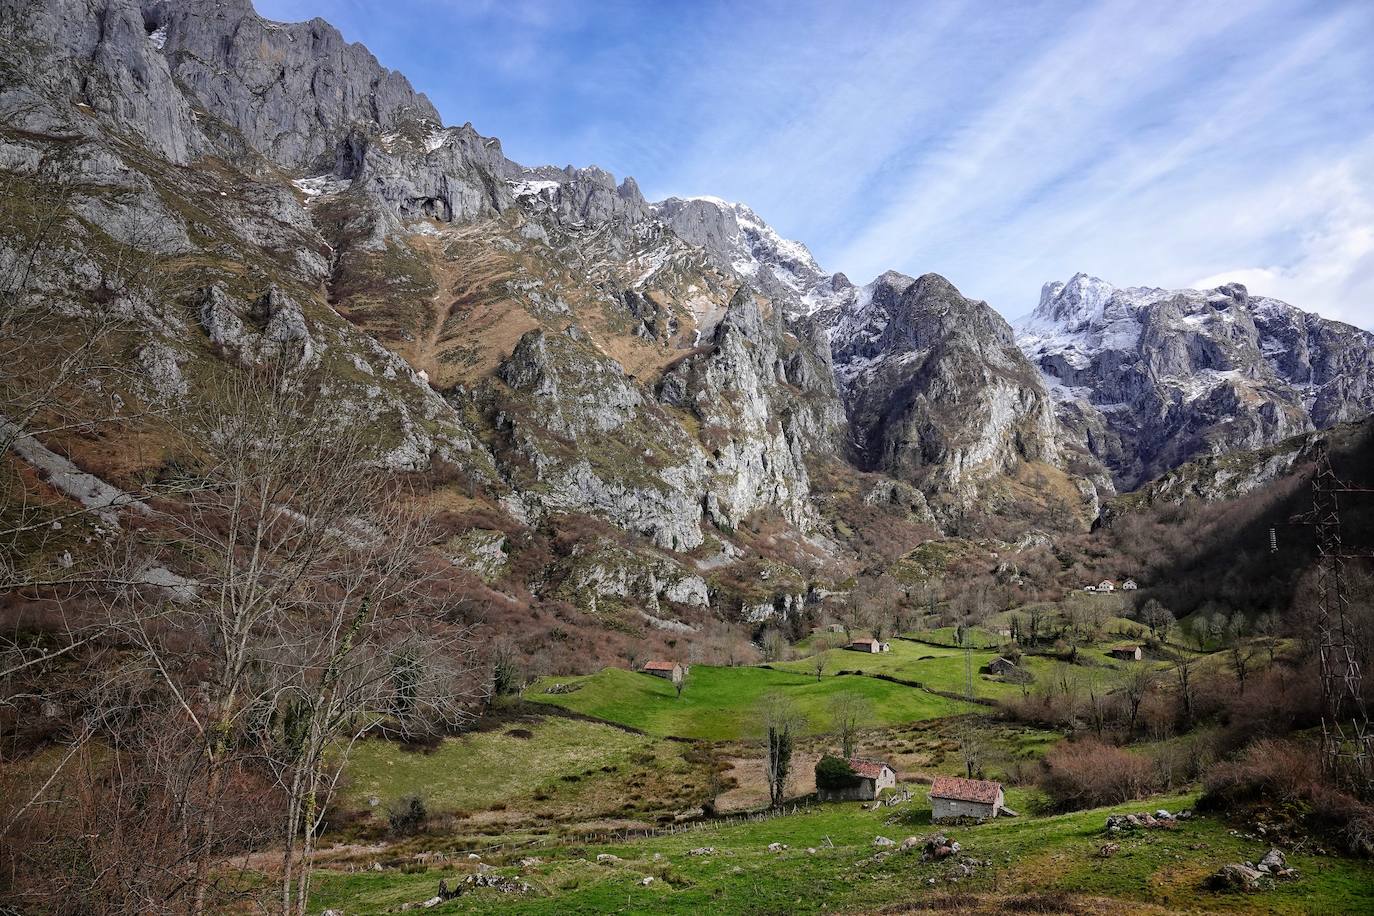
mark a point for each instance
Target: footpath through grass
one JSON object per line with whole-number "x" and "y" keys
{"x": 720, "y": 704}
{"x": 1020, "y": 856}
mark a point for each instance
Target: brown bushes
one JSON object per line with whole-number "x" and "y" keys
{"x": 1288, "y": 773}
{"x": 1089, "y": 774}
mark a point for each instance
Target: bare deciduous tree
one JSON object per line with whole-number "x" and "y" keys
{"x": 848, "y": 713}
{"x": 780, "y": 722}
{"x": 307, "y": 620}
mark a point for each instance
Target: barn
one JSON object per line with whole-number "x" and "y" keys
{"x": 872, "y": 777}
{"x": 1126, "y": 653}
{"x": 954, "y": 797}
{"x": 668, "y": 670}
{"x": 869, "y": 645}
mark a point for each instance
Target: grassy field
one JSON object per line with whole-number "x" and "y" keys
{"x": 1020, "y": 857}
{"x": 719, "y": 704}
{"x": 933, "y": 666}
{"x": 475, "y": 771}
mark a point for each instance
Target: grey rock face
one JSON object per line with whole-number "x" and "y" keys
{"x": 751, "y": 428}
{"x": 604, "y": 571}
{"x": 99, "y": 54}
{"x": 781, "y": 269}
{"x": 450, "y": 174}
{"x": 594, "y": 444}
{"x": 292, "y": 90}
{"x": 1146, "y": 379}
{"x": 272, "y": 328}
{"x": 586, "y": 198}
{"x": 936, "y": 390}
{"x": 161, "y": 366}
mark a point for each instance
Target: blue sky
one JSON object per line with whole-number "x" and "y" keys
{"x": 1002, "y": 144}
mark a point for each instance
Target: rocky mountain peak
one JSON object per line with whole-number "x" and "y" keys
{"x": 738, "y": 238}
{"x": 1146, "y": 378}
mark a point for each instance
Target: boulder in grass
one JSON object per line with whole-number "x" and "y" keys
{"x": 882, "y": 841}
{"x": 1236, "y": 877}
{"x": 1272, "y": 862}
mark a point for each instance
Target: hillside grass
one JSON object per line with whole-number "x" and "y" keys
{"x": 935, "y": 667}
{"x": 719, "y": 704}
{"x": 481, "y": 769}
{"x": 1025, "y": 855}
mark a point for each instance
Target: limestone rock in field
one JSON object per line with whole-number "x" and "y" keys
{"x": 161, "y": 366}
{"x": 1237, "y": 877}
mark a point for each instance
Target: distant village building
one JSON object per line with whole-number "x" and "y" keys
{"x": 953, "y": 797}
{"x": 869, "y": 645}
{"x": 1129, "y": 585}
{"x": 873, "y": 777}
{"x": 1126, "y": 652}
{"x": 1106, "y": 585}
{"x": 1090, "y": 588}
{"x": 668, "y": 670}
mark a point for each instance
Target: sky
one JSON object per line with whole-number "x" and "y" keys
{"x": 1001, "y": 144}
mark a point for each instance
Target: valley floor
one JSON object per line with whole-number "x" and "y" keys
{"x": 830, "y": 864}
{"x": 594, "y": 794}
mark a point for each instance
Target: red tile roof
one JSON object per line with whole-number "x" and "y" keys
{"x": 868, "y": 769}
{"x": 980, "y": 791}
{"x": 659, "y": 666}
{"x": 864, "y": 642}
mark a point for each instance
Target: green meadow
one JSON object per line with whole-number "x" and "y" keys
{"x": 830, "y": 866}
{"x": 721, "y": 704}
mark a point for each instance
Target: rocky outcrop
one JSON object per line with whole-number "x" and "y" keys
{"x": 293, "y": 91}
{"x": 600, "y": 574}
{"x": 1146, "y": 379}
{"x": 273, "y": 327}
{"x": 754, "y": 428}
{"x": 738, "y": 238}
{"x": 936, "y": 390}
{"x": 593, "y": 443}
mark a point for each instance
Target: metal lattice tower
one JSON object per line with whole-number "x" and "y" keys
{"x": 1347, "y": 738}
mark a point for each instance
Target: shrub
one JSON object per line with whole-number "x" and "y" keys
{"x": 835, "y": 774}
{"x": 407, "y": 815}
{"x": 1088, "y": 774}
{"x": 1288, "y": 773}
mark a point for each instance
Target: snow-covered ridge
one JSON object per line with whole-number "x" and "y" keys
{"x": 1145, "y": 376}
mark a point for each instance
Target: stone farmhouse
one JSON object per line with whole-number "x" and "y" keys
{"x": 874, "y": 776}
{"x": 954, "y": 797}
{"x": 668, "y": 670}
{"x": 1126, "y": 653}
{"x": 869, "y": 645}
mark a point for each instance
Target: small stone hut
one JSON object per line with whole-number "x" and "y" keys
{"x": 873, "y": 777}
{"x": 667, "y": 670}
{"x": 953, "y": 797}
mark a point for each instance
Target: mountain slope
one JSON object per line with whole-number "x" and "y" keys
{"x": 1146, "y": 379}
